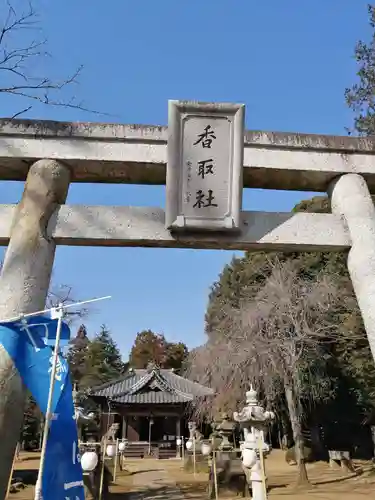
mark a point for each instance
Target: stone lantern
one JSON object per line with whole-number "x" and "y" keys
{"x": 81, "y": 417}
{"x": 225, "y": 430}
{"x": 253, "y": 420}
{"x": 223, "y": 463}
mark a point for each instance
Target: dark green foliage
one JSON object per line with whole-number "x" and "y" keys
{"x": 31, "y": 425}
{"x": 77, "y": 354}
{"x": 176, "y": 355}
{"x": 361, "y": 96}
{"x": 102, "y": 360}
{"x": 343, "y": 375}
{"x": 91, "y": 363}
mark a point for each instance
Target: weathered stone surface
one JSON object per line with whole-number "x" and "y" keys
{"x": 351, "y": 199}
{"x": 24, "y": 285}
{"x": 138, "y": 154}
{"x": 138, "y": 226}
{"x": 204, "y": 166}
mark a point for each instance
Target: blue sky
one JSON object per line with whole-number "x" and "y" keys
{"x": 288, "y": 61}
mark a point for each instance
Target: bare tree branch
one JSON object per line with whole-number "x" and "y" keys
{"x": 63, "y": 295}
{"x": 276, "y": 339}
{"x": 19, "y": 59}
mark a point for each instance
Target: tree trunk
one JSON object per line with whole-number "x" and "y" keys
{"x": 316, "y": 440}
{"x": 280, "y": 436}
{"x": 285, "y": 429}
{"x": 297, "y": 435}
{"x": 373, "y": 440}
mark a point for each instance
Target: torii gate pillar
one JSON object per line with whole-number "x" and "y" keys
{"x": 135, "y": 154}
{"x": 351, "y": 199}
{"x": 24, "y": 283}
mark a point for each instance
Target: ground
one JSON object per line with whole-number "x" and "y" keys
{"x": 165, "y": 479}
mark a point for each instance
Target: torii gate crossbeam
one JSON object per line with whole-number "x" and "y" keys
{"x": 50, "y": 155}
{"x": 137, "y": 154}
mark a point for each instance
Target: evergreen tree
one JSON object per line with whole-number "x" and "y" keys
{"x": 361, "y": 96}
{"x": 102, "y": 360}
{"x": 77, "y": 355}
{"x": 177, "y": 354}
{"x": 31, "y": 425}
{"x": 349, "y": 362}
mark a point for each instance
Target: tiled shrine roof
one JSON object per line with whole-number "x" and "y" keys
{"x": 151, "y": 386}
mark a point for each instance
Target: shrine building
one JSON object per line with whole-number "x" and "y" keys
{"x": 151, "y": 407}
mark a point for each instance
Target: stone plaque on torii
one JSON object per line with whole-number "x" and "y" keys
{"x": 204, "y": 168}
{"x": 48, "y": 156}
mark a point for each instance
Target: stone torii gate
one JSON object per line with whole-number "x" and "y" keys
{"x": 48, "y": 156}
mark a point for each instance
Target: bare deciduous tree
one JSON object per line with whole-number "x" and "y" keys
{"x": 276, "y": 339}
{"x": 22, "y": 48}
{"x": 62, "y": 294}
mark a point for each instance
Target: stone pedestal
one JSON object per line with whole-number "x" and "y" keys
{"x": 253, "y": 419}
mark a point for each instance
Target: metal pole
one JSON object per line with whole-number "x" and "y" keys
{"x": 149, "y": 437}
{"x": 48, "y": 418}
{"x": 261, "y": 457}
{"x": 214, "y": 466}
{"x": 36, "y": 313}
{"x": 194, "y": 456}
{"x": 115, "y": 464}
{"x": 104, "y": 452}
{"x": 102, "y": 469}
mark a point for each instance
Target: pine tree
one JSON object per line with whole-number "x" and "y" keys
{"x": 103, "y": 360}
{"x": 77, "y": 355}
{"x": 361, "y": 96}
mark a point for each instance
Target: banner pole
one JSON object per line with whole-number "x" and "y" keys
{"x": 214, "y": 465}
{"x": 194, "y": 457}
{"x": 48, "y": 418}
{"x": 115, "y": 464}
{"x": 261, "y": 456}
{"x": 105, "y": 441}
{"x": 66, "y": 306}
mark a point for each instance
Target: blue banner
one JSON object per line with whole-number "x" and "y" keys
{"x": 47, "y": 327}
{"x": 62, "y": 470}
{"x": 24, "y": 342}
